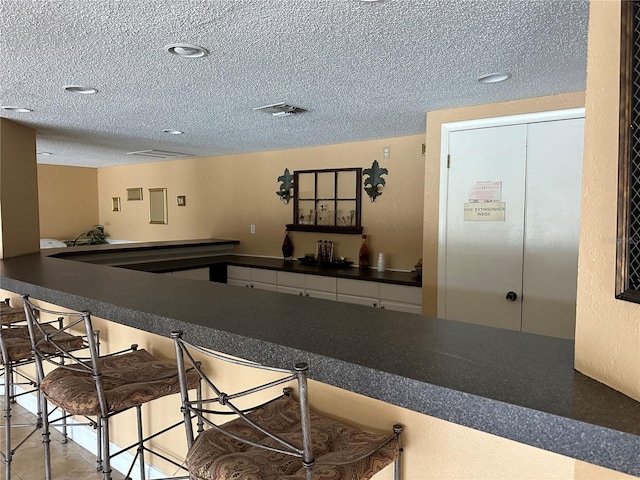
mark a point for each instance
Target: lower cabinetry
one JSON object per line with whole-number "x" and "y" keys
{"x": 402, "y": 298}
{"x": 314, "y": 286}
{"x": 258, "y": 278}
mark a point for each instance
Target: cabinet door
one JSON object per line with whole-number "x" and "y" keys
{"x": 358, "y": 288}
{"x": 366, "y": 301}
{"x": 319, "y": 294}
{"x": 401, "y": 293}
{"x": 238, "y": 283}
{"x": 290, "y": 290}
{"x": 271, "y": 287}
{"x": 260, "y": 275}
{"x": 289, "y": 279}
{"x": 400, "y": 307}
{"x": 238, "y": 273}
{"x": 320, "y": 283}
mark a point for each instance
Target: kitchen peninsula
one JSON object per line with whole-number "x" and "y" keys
{"x": 517, "y": 386}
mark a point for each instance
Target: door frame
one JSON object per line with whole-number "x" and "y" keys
{"x": 447, "y": 128}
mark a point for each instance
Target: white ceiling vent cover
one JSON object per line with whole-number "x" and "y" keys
{"x": 280, "y": 109}
{"x": 158, "y": 154}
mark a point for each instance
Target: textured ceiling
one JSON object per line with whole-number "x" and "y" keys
{"x": 363, "y": 70}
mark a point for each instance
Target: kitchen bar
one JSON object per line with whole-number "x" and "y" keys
{"x": 517, "y": 386}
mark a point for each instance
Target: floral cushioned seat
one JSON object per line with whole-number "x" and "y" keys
{"x": 341, "y": 452}
{"x": 18, "y": 343}
{"x": 128, "y": 380}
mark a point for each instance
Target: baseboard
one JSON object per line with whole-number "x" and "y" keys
{"x": 87, "y": 438}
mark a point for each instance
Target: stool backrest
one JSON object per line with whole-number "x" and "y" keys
{"x": 72, "y": 346}
{"x": 223, "y": 403}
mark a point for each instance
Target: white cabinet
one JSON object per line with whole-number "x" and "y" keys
{"x": 401, "y": 298}
{"x": 258, "y": 278}
{"x": 359, "y": 292}
{"x": 306, "y": 285}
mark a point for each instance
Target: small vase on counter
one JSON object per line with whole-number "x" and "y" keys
{"x": 287, "y": 246}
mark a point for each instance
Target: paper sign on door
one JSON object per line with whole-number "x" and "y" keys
{"x": 484, "y": 211}
{"x": 486, "y": 192}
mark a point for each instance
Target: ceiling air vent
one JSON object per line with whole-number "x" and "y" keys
{"x": 280, "y": 109}
{"x": 158, "y": 154}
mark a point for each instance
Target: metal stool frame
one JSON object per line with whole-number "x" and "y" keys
{"x": 10, "y": 372}
{"x": 89, "y": 365}
{"x": 200, "y": 410}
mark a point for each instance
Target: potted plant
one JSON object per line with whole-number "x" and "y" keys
{"x": 94, "y": 236}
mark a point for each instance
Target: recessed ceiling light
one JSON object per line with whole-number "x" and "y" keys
{"x": 43, "y": 153}
{"x": 495, "y": 77}
{"x": 172, "y": 132}
{"x": 16, "y": 109}
{"x": 186, "y": 50}
{"x": 80, "y": 89}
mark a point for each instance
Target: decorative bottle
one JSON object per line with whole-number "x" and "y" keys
{"x": 363, "y": 256}
{"x": 287, "y": 246}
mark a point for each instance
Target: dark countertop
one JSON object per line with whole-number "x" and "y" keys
{"x": 388, "y": 276}
{"x": 519, "y": 386}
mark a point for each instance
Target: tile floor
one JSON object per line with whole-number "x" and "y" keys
{"x": 68, "y": 461}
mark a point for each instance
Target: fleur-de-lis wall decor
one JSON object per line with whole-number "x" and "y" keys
{"x": 286, "y": 186}
{"x": 374, "y": 180}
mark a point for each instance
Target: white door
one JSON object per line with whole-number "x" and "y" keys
{"x": 484, "y": 256}
{"x": 515, "y": 268}
{"x": 552, "y": 229}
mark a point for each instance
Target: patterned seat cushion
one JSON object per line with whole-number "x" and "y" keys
{"x": 18, "y": 343}
{"x": 128, "y": 379}
{"x": 341, "y": 451}
{"x": 11, "y": 314}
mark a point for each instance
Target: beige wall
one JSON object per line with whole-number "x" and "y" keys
{"x": 435, "y": 120}
{"x": 607, "y": 330}
{"x": 19, "y": 233}
{"x": 226, "y": 194}
{"x": 434, "y": 449}
{"x": 68, "y": 200}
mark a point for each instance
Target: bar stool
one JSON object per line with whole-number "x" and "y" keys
{"x": 276, "y": 439}
{"x": 100, "y": 386}
{"x": 15, "y": 344}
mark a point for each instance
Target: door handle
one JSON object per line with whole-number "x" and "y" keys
{"x": 511, "y": 296}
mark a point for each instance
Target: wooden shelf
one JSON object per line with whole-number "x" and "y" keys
{"x": 291, "y": 227}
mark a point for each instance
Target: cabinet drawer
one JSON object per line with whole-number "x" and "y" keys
{"x": 238, "y": 273}
{"x": 289, "y": 279}
{"x": 263, "y": 276}
{"x": 401, "y": 293}
{"x": 359, "y": 288}
{"x": 322, "y": 284}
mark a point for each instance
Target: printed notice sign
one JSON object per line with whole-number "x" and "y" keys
{"x": 486, "y": 192}
{"x": 484, "y": 211}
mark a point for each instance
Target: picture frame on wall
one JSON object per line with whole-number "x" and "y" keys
{"x": 134, "y": 193}
{"x": 115, "y": 204}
